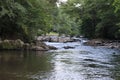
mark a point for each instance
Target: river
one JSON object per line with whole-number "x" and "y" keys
{"x": 80, "y": 63}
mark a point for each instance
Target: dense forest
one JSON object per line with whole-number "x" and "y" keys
{"x": 25, "y": 19}
{"x": 96, "y": 18}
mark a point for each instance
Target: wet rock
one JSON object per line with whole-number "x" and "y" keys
{"x": 65, "y": 39}
{"x": 43, "y": 38}
{"x": 42, "y": 46}
{"x": 98, "y": 42}
{"x": 68, "y": 47}
{"x": 38, "y": 48}
{"x": 95, "y": 42}
{"x": 20, "y": 45}
{"x": 108, "y": 43}
{"x": 53, "y": 39}
{"x": 74, "y": 39}
{"x": 52, "y": 48}
{"x": 90, "y": 60}
{"x": 92, "y": 65}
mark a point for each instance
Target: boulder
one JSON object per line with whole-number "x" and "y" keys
{"x": 11, "y": 44}
{"x": 38, "y": 48}
{"x": 52, "y": 48}
{"x": 6, "y": 44}
{"x": 94, "y": 42}
{"x": 18, "y": 44}
{"x": 46, "y": 47}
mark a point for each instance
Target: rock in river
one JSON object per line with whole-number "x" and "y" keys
{"x": 20, "y": 45}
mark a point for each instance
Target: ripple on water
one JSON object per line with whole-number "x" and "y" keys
{"x": 81, "y": 63}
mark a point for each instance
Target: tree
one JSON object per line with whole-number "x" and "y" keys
{"x": 65, "y": 24}
{"x": 96, "y": 18}
{"x": 23, "y": 19}
{"x": 116, "y": 3}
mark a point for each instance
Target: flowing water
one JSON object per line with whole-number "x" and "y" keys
{"x": 80, "y": 63}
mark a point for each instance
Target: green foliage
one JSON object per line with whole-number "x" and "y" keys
{"x": 23, "y": 18}
{"x": 11, "y": 44}
{"x": 65, "y": 23}
{"x": 96, "y": 18}
{"x": 116, "y": 3}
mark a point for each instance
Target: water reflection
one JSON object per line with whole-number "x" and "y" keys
{"x": 81, "y": 63}
{"x": 15, "y": 65}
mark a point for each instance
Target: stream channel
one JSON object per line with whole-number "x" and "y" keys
{"x": 80, "y": 63}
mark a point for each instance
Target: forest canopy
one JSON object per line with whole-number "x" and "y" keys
{"x": 96, "y": 18}
{"x": 25, "y": 19}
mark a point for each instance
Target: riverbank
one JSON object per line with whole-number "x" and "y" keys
{"x": 102, "y": 42}
{"x": 20, "y": 45}
{"x": 38, "y": 44}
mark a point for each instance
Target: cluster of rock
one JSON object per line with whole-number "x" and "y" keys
{"x": 20, "y": 45}
{"x": 62, "y": 39}
{"x": 101, "y": 42}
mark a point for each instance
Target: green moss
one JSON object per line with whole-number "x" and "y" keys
{"x": 11, "y": 44}
{"x": 6, "y": 44}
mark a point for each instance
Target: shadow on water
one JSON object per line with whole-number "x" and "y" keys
{"x": 16, "y": 65}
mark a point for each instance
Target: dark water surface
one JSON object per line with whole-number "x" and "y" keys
{"x": 81, "y": 63}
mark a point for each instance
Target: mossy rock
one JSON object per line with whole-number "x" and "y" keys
{"x": 6, "y": 44}
{"x": 18, "y": 43}
{"x": 11, "y": 44}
